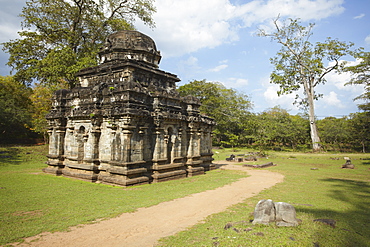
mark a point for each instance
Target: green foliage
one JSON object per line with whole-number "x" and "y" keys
{"x": 327, "y": 193}
{"x": 362, "y": 76}
{"x": 275, "y": 127}
{"x": 228, "y": 107}
{"x": 15, "y": 111}
{"x": 359, "y": 125}
{"x": 32, "y": 202}
{"x": 301, "y": 64}
{"x": 335, "y": 133}
{"x": 61, "y": 37}
{"x": 41, "y": 101}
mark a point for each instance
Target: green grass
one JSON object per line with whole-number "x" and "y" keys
{"x": 32, "y": 202}
{"x": 329, "y": 192}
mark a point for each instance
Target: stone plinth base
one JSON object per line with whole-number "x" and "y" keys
{"x": 164, "y": 172}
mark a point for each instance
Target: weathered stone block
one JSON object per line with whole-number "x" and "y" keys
{"x": 264, "y": 212}
{"x": 282, "y": 213}
{"x": 285, "y": 214}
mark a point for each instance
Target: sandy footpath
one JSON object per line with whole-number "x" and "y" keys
{"x": 146, "y": 225}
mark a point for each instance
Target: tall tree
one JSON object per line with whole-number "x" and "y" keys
{"x": 359, "y": 124}
{"x": 15, "y": 110}
{"x": 228, "y": 107}
{"x": 61, "y": 37}
{"x": 362, "y": 77}
{"x": 334, "y": 132}
{"x": 41, "y": 102}
{"x": 276, "y": 127}
{"x": 301, "y": 64}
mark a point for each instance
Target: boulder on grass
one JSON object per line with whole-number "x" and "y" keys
{"x": 282, "y": 213}
{"x": 264, "y": 212}
{"x": 348, "y": 165}
{"x": 285, "y": 214}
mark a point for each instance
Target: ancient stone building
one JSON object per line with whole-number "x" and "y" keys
{"x": 125, "y": 123}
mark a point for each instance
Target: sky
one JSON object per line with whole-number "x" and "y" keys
{"x": 217, "y": 40}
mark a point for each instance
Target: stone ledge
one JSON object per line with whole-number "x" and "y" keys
{"x": 168, "y": 174}
{"x": 124, "y": 164}
{"x": 82, "y": 166}
{"x": 169, "y": 166}
{"x": 125, "y": 171}
{"x": 123, "y": 181}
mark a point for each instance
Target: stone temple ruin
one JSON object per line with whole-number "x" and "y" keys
{"x": 125, "y": 123}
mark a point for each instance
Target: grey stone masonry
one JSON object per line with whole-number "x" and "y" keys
{"x": 125, "y": 123}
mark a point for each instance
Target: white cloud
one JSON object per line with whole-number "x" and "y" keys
{"x": 219, "y": 68}
{"x": 188, "y": 66}
{"x": 359, "y": 16}
{"x": 187, "y": 26}
{"x": 367, "y": 39}
{"x": 331, "y": 99}
{"x": 260, "y": 11}
{"x": 236, "y": 83}
{"x": 273, "y": 99}
{"x": 339, "y": 80}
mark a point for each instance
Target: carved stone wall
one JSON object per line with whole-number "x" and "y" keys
{"x": 125, "y": 123}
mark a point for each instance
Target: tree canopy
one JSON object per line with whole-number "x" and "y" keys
{"x": 228, "y": 107}
{"x": 301, "y": 64}
{"x": 15, "y": 110}
{"x": 61, "y": 37}
{"x": 362, "y": 77}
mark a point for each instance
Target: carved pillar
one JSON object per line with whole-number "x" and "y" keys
{"x": 143, "y": 142}
{"x": 158, "y": 144}
{"x": 191, "y": 143}
{"x": 198, "y": 147}
{"x": 115, "y": 144}
{"x": 96, "y": 132}
{"x": 127, "y": 134}
{"x": 60, "y": 133}
{"x": 56, "y": 147}
{"x": 180, "y": 142}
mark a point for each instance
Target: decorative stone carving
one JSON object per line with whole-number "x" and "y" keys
{"x": 125, "y": 123}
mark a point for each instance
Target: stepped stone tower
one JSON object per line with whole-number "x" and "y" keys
{"x": 125, "y": 123}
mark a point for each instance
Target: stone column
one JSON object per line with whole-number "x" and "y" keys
{"x": 158, "y": 144}
{"x": 191, "y": 144}
{"x": 60, "y": 133}
{"x": 143, "y": 142}
{"x": 96, "y": 132}
{"x": 198, "y": 147}
{"x": 127, "y": 134}
{"x": 56, "y": 149}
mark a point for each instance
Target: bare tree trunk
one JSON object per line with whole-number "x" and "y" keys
{"x": 363, "y": 147}
{"x": 313, "y": 128}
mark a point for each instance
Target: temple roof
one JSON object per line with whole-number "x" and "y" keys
{"x": 130, "y": 45}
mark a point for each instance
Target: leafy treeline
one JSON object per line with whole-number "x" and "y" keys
{"x": 22, "y": 117}
{"x": 15, "y": 111}
{"x": 274, "y": 127}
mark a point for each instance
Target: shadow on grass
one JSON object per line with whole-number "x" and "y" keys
{"x": 354, "y": 217}
{"x": 364, "y": 161}
{"x": 10, "y": 155}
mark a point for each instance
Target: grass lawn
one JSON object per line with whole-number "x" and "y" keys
{"x": 328, "y": 192}
{"x": 32, "y": 202}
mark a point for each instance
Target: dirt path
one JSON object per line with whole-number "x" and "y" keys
{"x": 146, "y": 225}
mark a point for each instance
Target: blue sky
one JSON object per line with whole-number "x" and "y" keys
{"x": 216, "y": 40}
